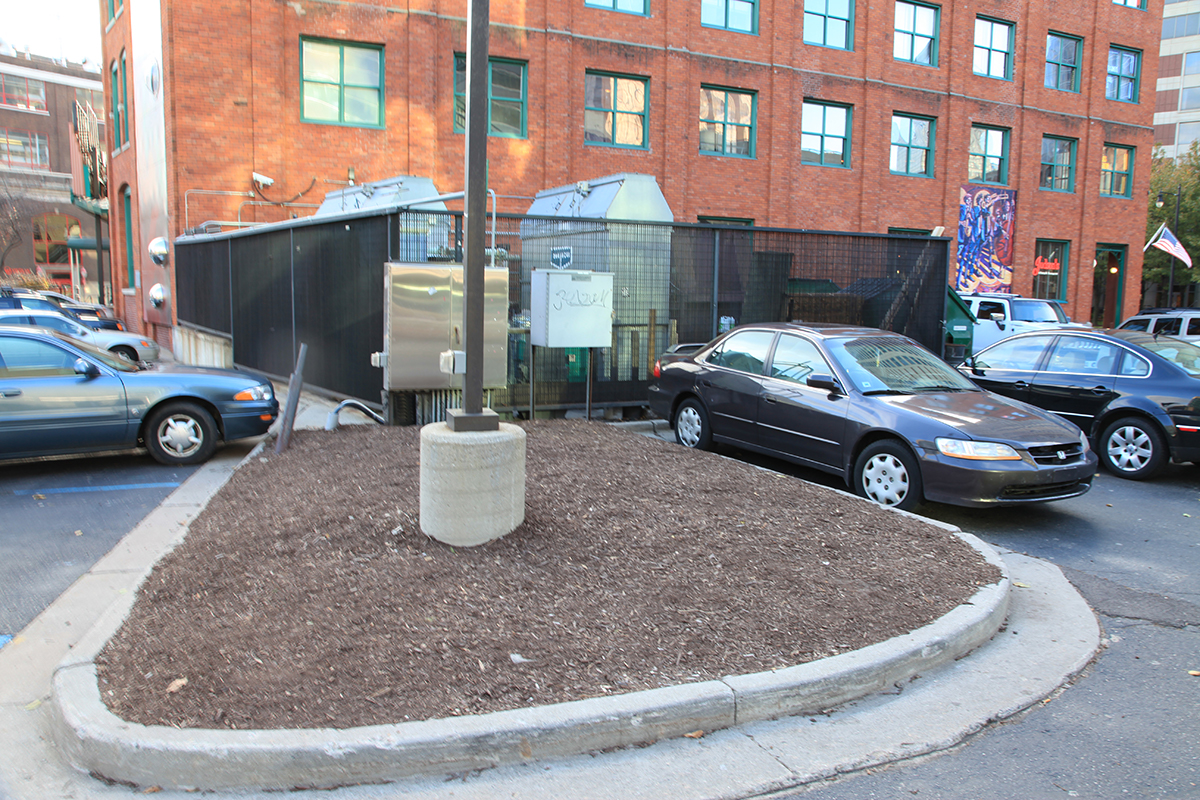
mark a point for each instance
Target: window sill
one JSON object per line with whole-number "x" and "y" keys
{"x": 128, "y": 292}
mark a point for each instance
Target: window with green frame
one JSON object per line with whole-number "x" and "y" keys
{"x": 1116, "y": 170}
{"x": 1063, "y": 55}
{"x": 733, "y": 15}
{"x": 507, "y": 92}
{"x": 993, "y": 48}
{"x": 119, "y": 117}
{"x": 916, "y": 36}
{"x": 615, "y": 110}
{"x": 1135, "y": 3}
{"x": 341, "y": 84}
{"x": 825, "y": 134}
{"x": 628, "y": 6}
{"x": 987, "y": 159}
{"x": 127, "y": 212}
{"x": 706, "y": 220}
{"x": 726, "y": 121}
{"x": 1058, "y": 164}
{"x": 1123, "y": 68}
{"x": 912, "y": 145}
{"x": 1050, "y": 269}
{"x": 829, "y": 23}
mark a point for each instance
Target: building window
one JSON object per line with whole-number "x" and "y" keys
{"x": 703, "y": 220}
{"x": 18, "y": 92}
{"x": 912, "y": 145}
{"x": 24, "y": 150}
{"x": 1123, "y": 67}
{"x": 1187, "y": 133}
{"x": 127, "y": 210}
{"x": 112, "y": 8}
{"x": 733, "y": 15}
{"x": 1063, "y": 54}
{"x": 1133, "y": 3}
{"x": 1116, "y": 170}
{"x": 50, "y": 232}
{"x": 615, "y": 110}
{"x": 1050, "y": 269}
{"x": 1191, "y": 64}
{"x": 1180, "y": 26}
{"x": 119, "y": 116}
{"x": 828, "y": 23}
{"x": 825, "y": 134}
{"x": 341, "y": 84}
{"x": 726, "y": 121}
{"x": 987, "y": 161}
{"x": 993, "y": 48}
{"x": 916, "y": 35}
{"x": 507, "y": 93}
{"x": 1058, "y": 164}
{"x": 629, "y": 6}
{"x": 1189, "y": 97}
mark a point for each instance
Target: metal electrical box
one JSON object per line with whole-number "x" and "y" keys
{"x": 425, "y": 319}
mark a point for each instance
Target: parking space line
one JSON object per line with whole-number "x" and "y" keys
{"x": 77, "y": 489}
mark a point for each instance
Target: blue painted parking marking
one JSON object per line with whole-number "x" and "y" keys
{"x": 4, "y": 639}
{"x": 78, "y": 489}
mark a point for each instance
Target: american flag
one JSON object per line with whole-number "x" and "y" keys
{"x": 1170, "y": 244}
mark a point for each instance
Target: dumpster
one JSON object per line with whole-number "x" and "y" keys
{"x": 959, "y": 327}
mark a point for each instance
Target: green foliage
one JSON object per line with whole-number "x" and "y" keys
{"x": 1170, "y": 178}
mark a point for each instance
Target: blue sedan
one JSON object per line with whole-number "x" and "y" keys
{"x": 61, "y": 396}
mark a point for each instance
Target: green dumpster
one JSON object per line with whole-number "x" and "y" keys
{"x": 960, "y": 328}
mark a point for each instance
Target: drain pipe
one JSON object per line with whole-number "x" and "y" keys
{"x": 331, "y": 422}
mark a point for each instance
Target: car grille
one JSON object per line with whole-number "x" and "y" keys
{"x": 1049, "y": 455}
{"x": 1044, "y": 490}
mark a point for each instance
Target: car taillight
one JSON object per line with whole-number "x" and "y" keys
{"x": 120, "y": 327}
{"x": 658, "y": 367}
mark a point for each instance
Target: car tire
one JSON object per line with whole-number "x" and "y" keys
{"x": 887, "y": 473}
{"x": 124, "y": 351}
{"x": 692, "y": 428}
{"x": 1133, "y": 448}
{"x": 181, "y": 433}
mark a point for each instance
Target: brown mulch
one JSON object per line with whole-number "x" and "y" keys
{"x": 305, "y": 594}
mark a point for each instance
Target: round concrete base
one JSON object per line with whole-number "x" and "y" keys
{"x": 472, "y": 483}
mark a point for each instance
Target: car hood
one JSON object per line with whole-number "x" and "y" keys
{"x": 986, "y": 416}
{"x": 181, "y": 370}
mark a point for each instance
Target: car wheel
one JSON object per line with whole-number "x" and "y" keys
{"x": 691, "y": 426}
{"x": 1133, "y": 448}
{"x": 181, "y": 433}
{"x": 124, "y": 351}
{"x": 886, "y": 473}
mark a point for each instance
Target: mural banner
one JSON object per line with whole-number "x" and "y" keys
{"x": 986, "y": 217}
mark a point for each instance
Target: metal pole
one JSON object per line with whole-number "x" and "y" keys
{"x": 1171, "y": 279}
{"x": 589, "y": 385}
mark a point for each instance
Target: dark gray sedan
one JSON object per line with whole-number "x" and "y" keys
{"x": 61, "y": 396}
{"x": 897, "y": 423}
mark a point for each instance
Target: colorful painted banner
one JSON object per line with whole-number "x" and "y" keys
{"x": 986, "y": 218}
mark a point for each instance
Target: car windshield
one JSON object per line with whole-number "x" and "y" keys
{"x": 110, "y": 360}
{"x": 1183, "y": 354}
{"x": 892, "y": 365}
{"x": 1038, "y": 311}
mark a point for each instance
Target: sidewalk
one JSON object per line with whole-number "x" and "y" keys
{"x": 1050, "y": 635}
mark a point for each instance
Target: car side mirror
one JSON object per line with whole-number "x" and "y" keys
{"x": 86, "y": 368}
{"x": 827, "y": 382}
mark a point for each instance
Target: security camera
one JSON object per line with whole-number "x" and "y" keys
{"x": 262, "y": 180}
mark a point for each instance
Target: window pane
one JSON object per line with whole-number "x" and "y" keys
{"x": 596, "y": 126}
{"x": 322, "y": 62}
{"x": 506, "y": 118}
{"x": 506, "y": 80}
{"x": 712, "y": 12}
{"x": 362, "y": 105}
{"x": 711, "y": 136}
{"x": 321, "y": 102}
{"x": 904, "y": 16}
{"x": 902, "y": 46}
{"x": 920, "y": 132}
{"x": 1191, "y": 64}
{"x": 739, "y": 109}
{"x": 631, "y": 96}
{"x": 926, "y": 21}
{"x": 741, "y": 15}
{"x": 631, "y": 130}
{"x": 738, "y": 142}
{"x": 362, "y": 67}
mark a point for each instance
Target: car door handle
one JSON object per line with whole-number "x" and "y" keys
{"x": 1099, "y": 390}
{"x": 10, "y": 392}
{"x": 1021, "y": 385}
{"x": 705, "y": 383}
{"x": 770, "y": 399}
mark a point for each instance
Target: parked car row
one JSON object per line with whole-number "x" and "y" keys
{"x": 59, "y": 395}
{"x": 93, "y": 315}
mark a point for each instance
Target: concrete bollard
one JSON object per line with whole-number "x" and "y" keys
{"x": 472, "y": 483}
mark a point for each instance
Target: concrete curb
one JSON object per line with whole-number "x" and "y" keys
{"x": 96, "y": 741}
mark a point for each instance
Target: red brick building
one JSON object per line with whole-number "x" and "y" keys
{"x": 817, "y": 114}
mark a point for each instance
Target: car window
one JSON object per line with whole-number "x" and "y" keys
{"x": 15, "y": 319}
{"x": 1076, "y": 354}
{"x": 881, "y": 364}
{"x": 1134, "y": 366}
{"x": 1023, "y": 353}
{"x": 1183, "y": 354}
{"x": 32, "y": 358}
{"x": 38, "y": 303}
{"x": 796, "y": 358}
{"x": 1193, "y": 328}
{"x": 57, "y": 322}
{"x": 1037, "y": 311}
{"x": 745, "y": 351}
{"x": 989, "y": 307}
{"x": 1136, "y": 324}
{"x": 1168, "y": 326}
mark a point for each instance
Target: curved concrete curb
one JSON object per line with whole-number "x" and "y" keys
{"x": 96, "y": 741}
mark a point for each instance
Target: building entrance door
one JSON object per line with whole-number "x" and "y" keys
{"x": 1107, "y": 283}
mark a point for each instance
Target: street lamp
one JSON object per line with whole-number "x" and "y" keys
{"x": 1171, "y": 274}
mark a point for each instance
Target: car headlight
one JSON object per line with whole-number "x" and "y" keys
{"x": 979, "y": 451}
{"x": 1083, "y": 441}
{"x": 260, "y": 392}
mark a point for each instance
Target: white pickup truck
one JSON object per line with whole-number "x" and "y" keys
{"x": 998, "y": 316}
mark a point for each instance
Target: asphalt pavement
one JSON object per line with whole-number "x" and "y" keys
{"x": 915, "y": 695}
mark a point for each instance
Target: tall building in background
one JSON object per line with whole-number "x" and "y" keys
{"x": 53, "y": 197}
{"x": 1021, "y": 129}
{"x": 1177, "y": 102}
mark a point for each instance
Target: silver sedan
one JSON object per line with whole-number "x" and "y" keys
{"x": 126, "y": 345}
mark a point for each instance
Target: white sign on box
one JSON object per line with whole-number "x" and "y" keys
{"x": 571, "y": 308}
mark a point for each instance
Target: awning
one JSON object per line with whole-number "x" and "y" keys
{"x": 84, "y": 243}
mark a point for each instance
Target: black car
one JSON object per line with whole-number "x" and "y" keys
{"x": 10, "y": 298}
{"x": 897, "y": 423}
{"x": 1136, "y": 395}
